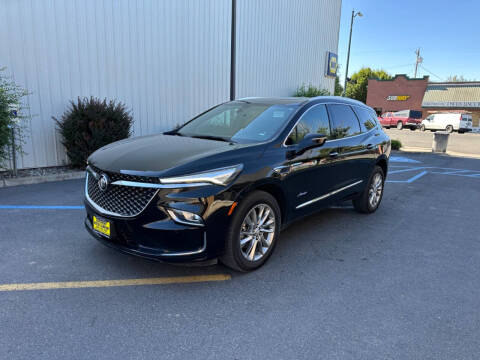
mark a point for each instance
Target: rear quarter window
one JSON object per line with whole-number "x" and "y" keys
{"x": 344, "y": 122}
{"x": 366, "y": 117}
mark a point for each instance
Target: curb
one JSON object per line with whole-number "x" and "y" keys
{"x": 427, "y": 150}
{"x": 42, "y": 179}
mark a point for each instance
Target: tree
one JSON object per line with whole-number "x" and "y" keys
{"x": 310, "y": 91}
{"x": 357, "y": 87}
{"x": 338, "y": 87}
{"x": 457, "y": 78}
{"x": 11, "y": 107}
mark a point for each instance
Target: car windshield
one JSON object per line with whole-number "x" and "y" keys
{"x": 240, "y": 121}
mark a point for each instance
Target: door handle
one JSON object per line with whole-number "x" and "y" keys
{"x": 370, "y": 146}
{"x": 333, "y": 154}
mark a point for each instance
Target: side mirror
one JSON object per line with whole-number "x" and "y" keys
{"x": 309, "y": 142}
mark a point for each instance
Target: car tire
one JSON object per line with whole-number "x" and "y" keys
{"x": 461, "y": 132}
{"x": 449, "y": 129}
{"x": 248, "y": 256}
{"x": 413, "y": 128}
{"x": 376, "y": 183}
{"x": 422, "y": 127}
{"x": 399, "y": 125}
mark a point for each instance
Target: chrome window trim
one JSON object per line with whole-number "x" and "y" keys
{"x": 328, "y": 140}
{"x": 327, "y": 195}
{"x": 103, "y": 211}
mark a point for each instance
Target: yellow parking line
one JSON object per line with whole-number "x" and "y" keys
{"x": 110, "y": 283}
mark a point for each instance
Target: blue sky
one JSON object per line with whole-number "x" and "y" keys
{"x": 447, "y": 33}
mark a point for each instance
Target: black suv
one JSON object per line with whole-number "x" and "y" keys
{"x": 224, "y": 184}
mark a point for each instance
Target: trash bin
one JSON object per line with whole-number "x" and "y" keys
{"x": 440, "y": 142}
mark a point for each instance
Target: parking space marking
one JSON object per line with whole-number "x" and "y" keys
{"x": 114, "y": 283}
{"x": 403, "y": 159}
{"x": 42, "y": 207}
{"x": 405, "y": 170}
{"x": 416, "y": 177}
{"x": 475, "y": 174}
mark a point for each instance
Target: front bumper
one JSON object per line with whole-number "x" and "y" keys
{"x": 413, "y": 124}
{"x": 154, "y": 235}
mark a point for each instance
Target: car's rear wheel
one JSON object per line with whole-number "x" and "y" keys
{"x": 449, "y": 129}
{"x": 369, "y": 200}
{"x": 399, "y": 125}
{"x": 422, "y": 127}
{"x": 253, "y": 232}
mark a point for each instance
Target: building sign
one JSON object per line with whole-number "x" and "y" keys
{"x": 398, "y": 97}
{"x": 452, "y": 104}
{"x": 332, "y": 64}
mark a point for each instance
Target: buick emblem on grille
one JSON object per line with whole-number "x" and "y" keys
{"x": 103, "y": 182}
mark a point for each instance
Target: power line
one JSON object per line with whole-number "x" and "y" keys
{"x": 424, "y": 68}
{"x": 398, "y": 66}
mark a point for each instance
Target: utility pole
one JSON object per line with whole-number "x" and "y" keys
{"x": 349, "y": 44}
{"x": 419, "y": 61}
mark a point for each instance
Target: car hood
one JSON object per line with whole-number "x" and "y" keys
{"x": 157, "y": 153}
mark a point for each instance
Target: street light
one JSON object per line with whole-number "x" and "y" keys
{"x": 354, "y": 14}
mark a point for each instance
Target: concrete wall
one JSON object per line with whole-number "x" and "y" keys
{"x": 167, "y": 60}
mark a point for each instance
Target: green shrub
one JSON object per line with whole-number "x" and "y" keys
{"x": 90, "y": 124}
{"x": 10, "y": 97}
{"x": 396, "y": 144}
{"x": 310, "y": 91}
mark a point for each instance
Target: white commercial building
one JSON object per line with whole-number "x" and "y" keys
{"x": 167, "y": 60}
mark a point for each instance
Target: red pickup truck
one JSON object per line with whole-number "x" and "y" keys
{"x": 400, "y": 119}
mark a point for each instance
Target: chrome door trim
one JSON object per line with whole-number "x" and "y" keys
{"x": 327, "y": 195}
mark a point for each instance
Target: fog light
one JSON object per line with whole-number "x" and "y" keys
{"x": 185, "y": 217}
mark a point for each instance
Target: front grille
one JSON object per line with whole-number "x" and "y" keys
{"x": 117, "y": 199}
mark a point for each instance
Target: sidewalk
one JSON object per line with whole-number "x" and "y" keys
{"x": 429, "y": 150}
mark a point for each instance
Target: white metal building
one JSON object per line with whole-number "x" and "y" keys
{"x": 167, "y": 60}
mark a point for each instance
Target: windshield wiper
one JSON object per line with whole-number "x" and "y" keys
{"x": 212, "y": 137}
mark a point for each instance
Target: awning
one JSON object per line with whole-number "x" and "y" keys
{"x": 452, "y": 95}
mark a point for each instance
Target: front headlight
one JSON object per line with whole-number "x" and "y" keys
{"x": 222, "y": 176}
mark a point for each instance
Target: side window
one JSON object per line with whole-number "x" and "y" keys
{"x": 313, "y": 121}
{"x": 344, "y": 121}
{"x": 367, "y": 121}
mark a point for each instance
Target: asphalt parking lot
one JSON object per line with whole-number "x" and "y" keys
{"x": 402, "y": 283}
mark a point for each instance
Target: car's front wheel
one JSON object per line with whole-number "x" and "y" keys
{"x": 369, "y": 200}
{"x": 422, "y": 127}
{"x": 399, "y": 125}
{"x": 253, "y": 233}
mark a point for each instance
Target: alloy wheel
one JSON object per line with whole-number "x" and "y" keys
{"x": 375, "y": 191}
{"x": 257, "y": 232}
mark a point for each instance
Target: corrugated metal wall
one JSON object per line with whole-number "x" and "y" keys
{"x": 282, "y": 44}
{"x": 167, "y": 60}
